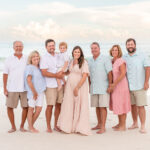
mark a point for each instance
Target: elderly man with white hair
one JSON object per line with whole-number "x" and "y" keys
{"x": 13, "y": 79}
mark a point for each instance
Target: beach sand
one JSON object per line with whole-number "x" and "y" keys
{"x": 111, "y": 140}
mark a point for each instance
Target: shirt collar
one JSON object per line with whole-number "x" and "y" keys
{"x": 17, "y": 57}
{"x": 135, "y": 54}
{"x": 100, "y": 56}
{"x": 47, "y": 53}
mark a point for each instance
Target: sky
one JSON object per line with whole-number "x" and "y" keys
{"x": 74, "y": 20}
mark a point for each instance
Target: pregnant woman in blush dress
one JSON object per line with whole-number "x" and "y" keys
{"x": 74, "y": 116}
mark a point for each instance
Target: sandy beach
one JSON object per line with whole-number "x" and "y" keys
{"x": 111, "y": 140}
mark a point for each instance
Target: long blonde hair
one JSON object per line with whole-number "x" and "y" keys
{"x": 32, "y": 54}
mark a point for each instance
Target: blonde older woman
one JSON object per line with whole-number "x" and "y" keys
{"x": 35, "y": 86}
{"x": 120, "y": 97}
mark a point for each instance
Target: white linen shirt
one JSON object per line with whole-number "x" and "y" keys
{"x": 15, "y": 69}
{"x": 62, "y": 58}
{"x": 49, "y": 62}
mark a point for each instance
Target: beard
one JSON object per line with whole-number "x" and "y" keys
{"x": 131, "y": 51}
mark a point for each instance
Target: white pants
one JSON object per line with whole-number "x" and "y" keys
{"x": 38, "y": 102}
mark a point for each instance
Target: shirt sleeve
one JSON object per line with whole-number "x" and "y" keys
{"x": 85, "y": 68}
{"x": 146, "y": 61}
{"x": 6, "y": 67}
{"x": 121, "y": 61}
{"x": 43, "y": 63}
{"x": 108, "y": 65}
{"x": 28, "y": 71}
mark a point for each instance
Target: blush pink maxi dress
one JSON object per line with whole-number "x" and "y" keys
{"x": 120, "y": 98}
{"x": 74, "y": 115}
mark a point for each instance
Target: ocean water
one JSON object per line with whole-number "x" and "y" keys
{"x": 6, "y": 49}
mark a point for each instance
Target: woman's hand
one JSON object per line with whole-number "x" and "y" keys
{"x": 109, "y": 90}
{"x": 75, "y": 92}
{"x": 112, "y": 86}
{"x": 35, "y": 95}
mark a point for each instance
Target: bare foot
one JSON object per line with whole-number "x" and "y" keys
{"x": 33, "y": 130}
{"x": 57, "y": 129}
{"x": 96, "y": 127}
{"x": 49, "y": 130}
{"x": 120, "y": 129}
{"x": 23, "y": 130}
{"x": 143, "y": 131}
{"x": 116, "y": 126}
{"x": 101, "y": 131}
{"x": 11, "y": 130}
{"x": 134, "y": 126}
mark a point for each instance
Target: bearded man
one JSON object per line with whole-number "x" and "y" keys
{"x": 138, "y": 72}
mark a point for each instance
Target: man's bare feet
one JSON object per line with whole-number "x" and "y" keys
{"x": 116, "y": 126}
{"x": 23, "y": 130}
{"x": 57, "y": 129}
{"x": 97, "y": 127}
{"x": 101, "y": 131}
{"x": 120, "y": 129}
{"x": 134, "y": 126}
{"x": 142, "y": 130}
{"x": 12, "y": 130}
{"x": 49, "y": 130}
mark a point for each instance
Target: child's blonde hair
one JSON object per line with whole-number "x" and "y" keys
{"x": 32, "y": 54}
{"x": 63, "y": 44}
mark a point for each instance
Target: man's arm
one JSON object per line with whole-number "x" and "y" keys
{"x": 89, "y": 83}
{"x": 58, "y": 75}
{"x": 110, "y": 77}
{"x": 5, "y": 78}
{"x": 110, "y": 80}
{"x": 147, "y": 75}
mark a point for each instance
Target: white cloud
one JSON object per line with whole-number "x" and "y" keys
{"x": 52, "y": 8}
{"x": 64, "y": 21}
{"x": 38, "y": 31}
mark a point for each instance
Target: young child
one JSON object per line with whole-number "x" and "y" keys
{"x": 63, "y": 62}
{"x": 35, "y": 85}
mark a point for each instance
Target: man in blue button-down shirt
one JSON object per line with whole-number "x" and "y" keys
{"x": 100, "y": 77}
{"x": 138, "y": 72}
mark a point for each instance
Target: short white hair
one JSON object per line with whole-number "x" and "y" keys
{"x": 16, "y": 42}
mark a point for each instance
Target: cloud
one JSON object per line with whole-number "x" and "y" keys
{"x": 63, "y": 21}
{"x": 52, "y": 8}
{"x": 37, "y": 31}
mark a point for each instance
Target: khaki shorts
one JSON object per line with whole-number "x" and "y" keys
{"x": 139, "y": 97}
{"x": 100, "y": 100}
{"x": 14, "y": 97}
{"x": 53, "y": 96}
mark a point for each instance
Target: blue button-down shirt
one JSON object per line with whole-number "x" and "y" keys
{"x": 99, "y": 70}
{"x": 136, "y": 70}
{"x": 37, "y": 80}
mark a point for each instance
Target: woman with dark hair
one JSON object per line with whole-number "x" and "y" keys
{"x": 74, "y": 116}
